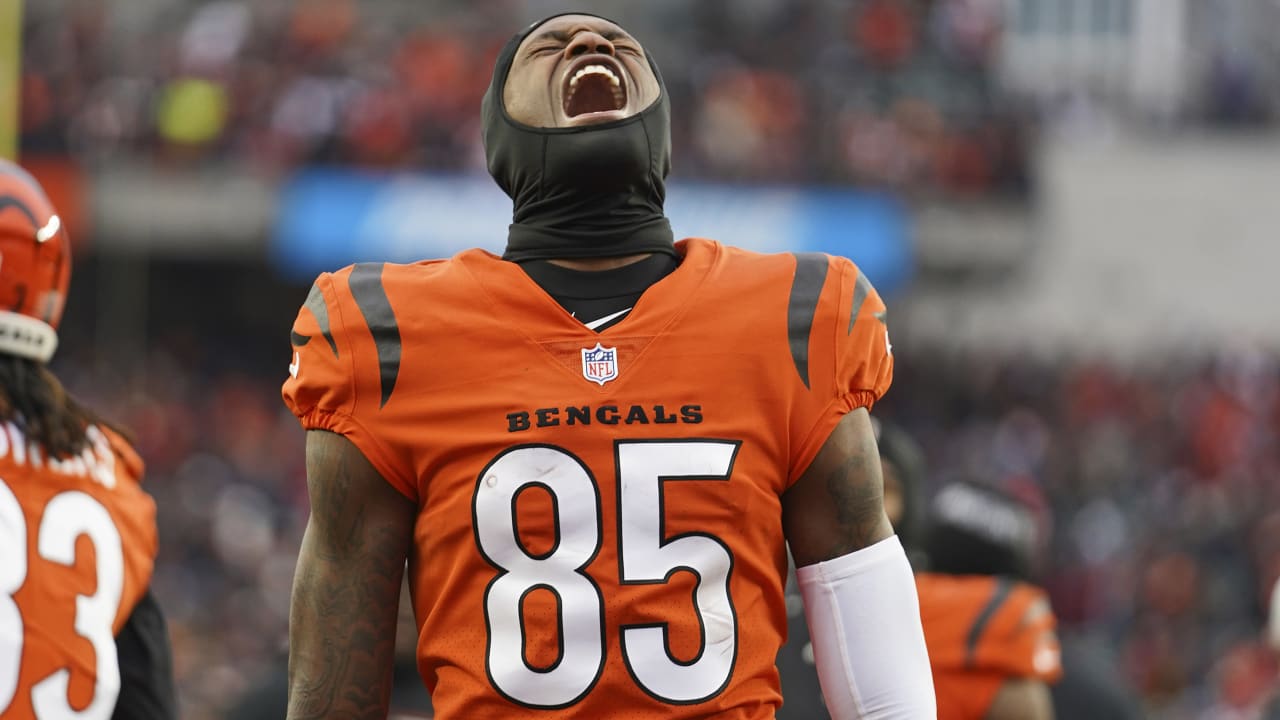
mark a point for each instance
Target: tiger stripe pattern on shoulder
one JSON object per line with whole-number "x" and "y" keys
{"x": 806, "y": 289}
{"x": 315, "y": 303}
{"x": 371, "y": 297}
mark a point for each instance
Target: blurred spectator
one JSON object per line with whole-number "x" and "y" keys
{"x": 750, "y": 124}
{"x": 192, "y": 112}
{"x": 883, "y": 31}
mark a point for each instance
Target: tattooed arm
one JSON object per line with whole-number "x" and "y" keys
{"x": 837, "y": 506}
{"x": 346, "y": 591}
{"x": 859, "y": 596}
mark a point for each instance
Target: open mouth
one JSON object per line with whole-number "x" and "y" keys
{"x": 595, "y": 86}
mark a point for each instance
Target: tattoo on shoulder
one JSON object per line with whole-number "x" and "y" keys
{"x": 858, "y": 500}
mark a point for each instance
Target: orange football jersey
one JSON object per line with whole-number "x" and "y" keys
{"x": 600, "y": 529}
{"x": 77, "y": 547}
{"x": 981, "y": 631}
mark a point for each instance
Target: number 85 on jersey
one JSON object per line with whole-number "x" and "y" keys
{"x": 644, "y": 557}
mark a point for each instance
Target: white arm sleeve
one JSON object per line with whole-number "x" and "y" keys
{"x": 868, "y": 644}
{"x": 1273, "y": 625}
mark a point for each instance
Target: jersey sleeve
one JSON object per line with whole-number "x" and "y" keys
{"x": 334, "y": 381}
{"x": 982, "y": 631}
{"x": 1021, "y": 638}
{"x": 989, "y": 625}
{"x": 846, "y": 361}
{"x": 864, "y": 356}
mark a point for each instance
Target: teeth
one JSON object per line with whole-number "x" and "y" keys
{"x": 619, "y": 97}
{"x": 595, "y": 70}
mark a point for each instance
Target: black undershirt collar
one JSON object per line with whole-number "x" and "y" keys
{"x": 591, "y": 295}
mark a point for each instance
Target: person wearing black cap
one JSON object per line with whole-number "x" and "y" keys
{"x": 594, "y": 450}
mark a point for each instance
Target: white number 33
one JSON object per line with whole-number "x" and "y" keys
{"x": 67, "y": 516}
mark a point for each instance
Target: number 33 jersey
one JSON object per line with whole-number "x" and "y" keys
{"x": 77, "y": 548}
{"x": 599, "y": 529}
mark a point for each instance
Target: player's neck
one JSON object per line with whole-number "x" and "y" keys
{"x": 594, "y": 264}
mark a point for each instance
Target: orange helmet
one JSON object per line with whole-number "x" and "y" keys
{"x": 35, "y": 266}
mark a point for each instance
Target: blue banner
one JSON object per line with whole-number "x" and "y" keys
{"x": 331, "y": 218}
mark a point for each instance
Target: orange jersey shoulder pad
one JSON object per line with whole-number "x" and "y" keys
{"x": 988, "y": 624}
{"x": 132, "y": 464}
{"x": 346, "y": 356}
{"x": 839, "y": 346}
{"x": 835, "y": 312}
{"x": 320, "y": 345}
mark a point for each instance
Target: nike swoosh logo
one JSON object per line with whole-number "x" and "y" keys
{"x": 601, "y": 321}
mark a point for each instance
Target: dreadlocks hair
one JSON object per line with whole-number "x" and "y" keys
{"x": 33, "y": 399}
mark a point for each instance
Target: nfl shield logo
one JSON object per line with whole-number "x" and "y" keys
{"x": 600, "y": 364}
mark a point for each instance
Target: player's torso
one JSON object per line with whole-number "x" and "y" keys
{"x": 602, "y": 511}
{"x": 76, "y": 555}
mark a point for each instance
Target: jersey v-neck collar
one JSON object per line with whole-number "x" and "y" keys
{"x": 528, "y": 307}
{"x": 600, "y": 298}
{"x": 633, "y": 279}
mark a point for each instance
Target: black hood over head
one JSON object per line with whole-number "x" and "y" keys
{"x": 580, "y": 192}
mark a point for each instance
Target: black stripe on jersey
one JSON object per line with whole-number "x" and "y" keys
{"x": 315, "y": 303}
{"x": 1004, "y": 586}
{"x": 806, "y": 288}
{"x": 861, "y": 289}
{"x": 371, "y": 298}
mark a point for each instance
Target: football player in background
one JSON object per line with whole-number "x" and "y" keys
{"x": 982, "y": 544}
{"x": 80, "y": 633}
{"x": 991, "y": 636}
{"x": 593, "y": 449}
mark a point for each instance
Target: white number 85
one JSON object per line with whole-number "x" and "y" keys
{"x": 644, "y": 557}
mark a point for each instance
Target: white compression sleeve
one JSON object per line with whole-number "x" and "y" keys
{"x": 1273, "y": 624}
{"x": 864, "y": 622}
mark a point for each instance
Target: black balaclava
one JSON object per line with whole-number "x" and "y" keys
{"x": 579, "y": 192}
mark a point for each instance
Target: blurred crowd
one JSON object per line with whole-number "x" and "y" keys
{"x": 886, "y": 93}
{"x": 1155, "y": 488}
{"x": 897, "y": 94}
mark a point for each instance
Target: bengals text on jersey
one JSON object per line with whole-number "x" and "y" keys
{"x": 599, "y": 529}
